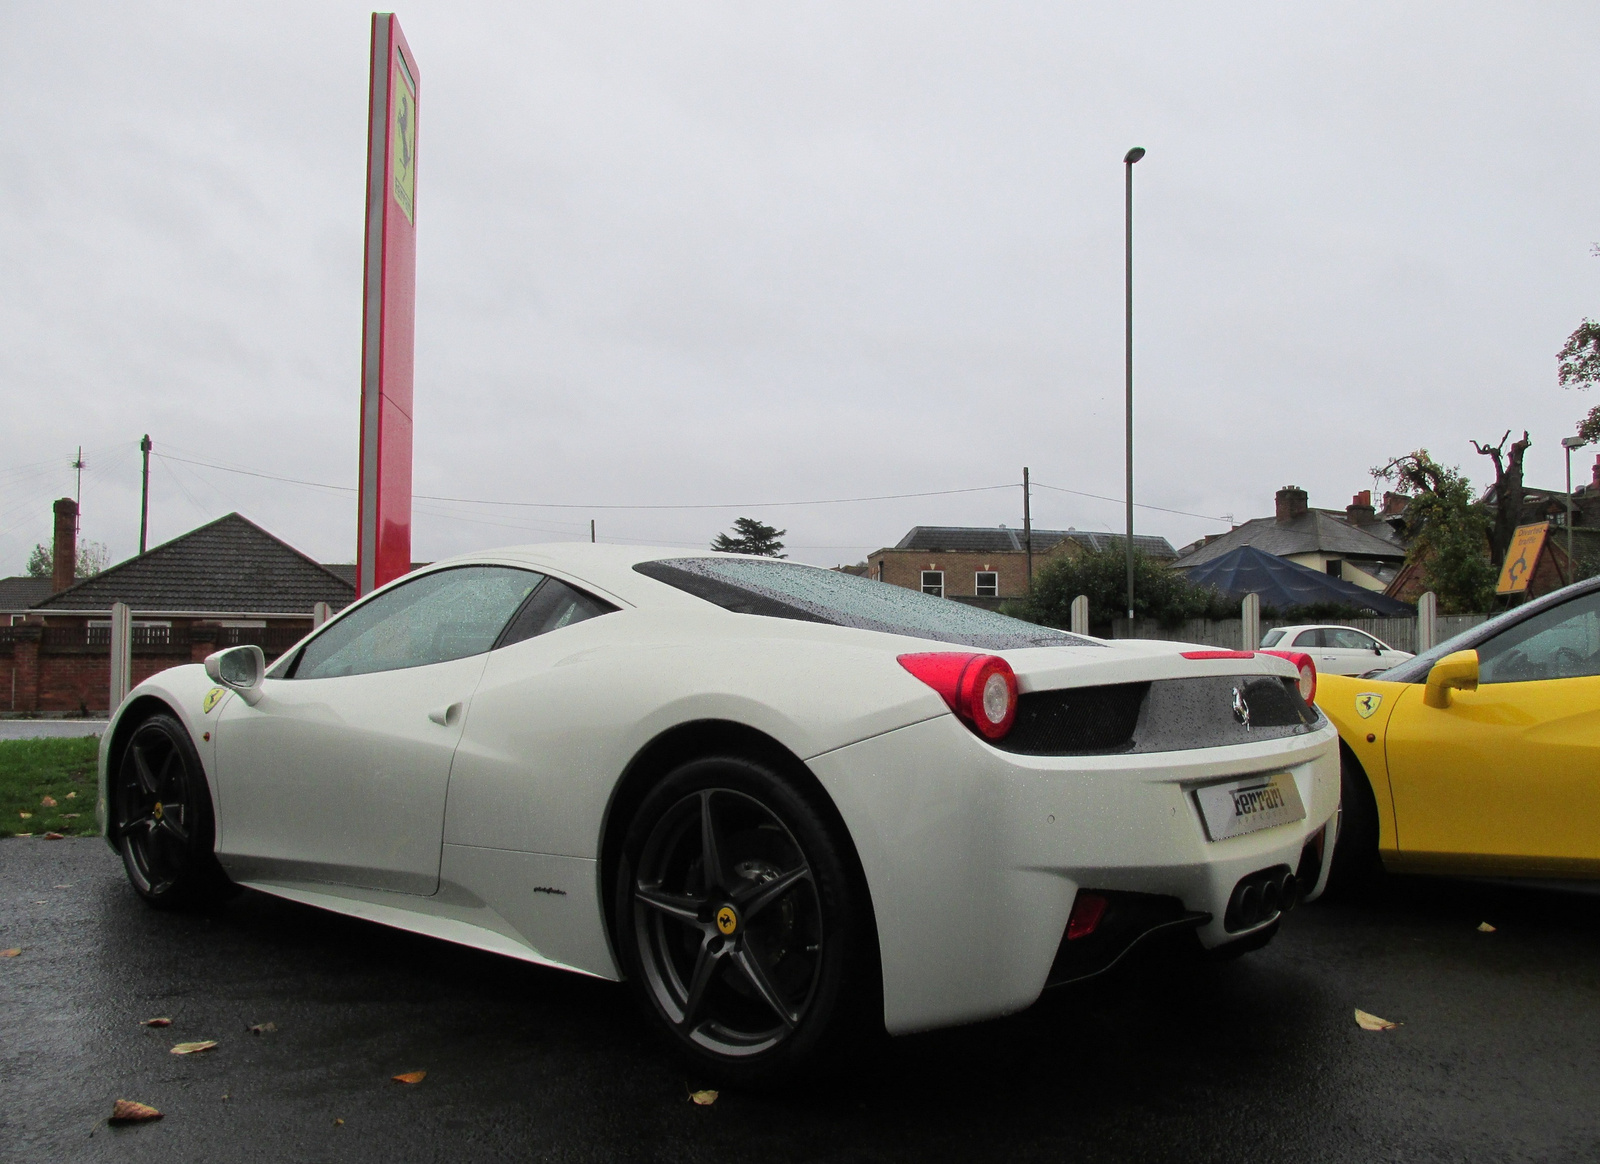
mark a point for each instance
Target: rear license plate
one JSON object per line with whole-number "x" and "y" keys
{"x": 1249, "y": 805}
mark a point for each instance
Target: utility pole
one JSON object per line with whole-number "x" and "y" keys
{"x": 1027, "y": 527}
{"x": 1132, "y": 156}
{"x": 144, "y": 493}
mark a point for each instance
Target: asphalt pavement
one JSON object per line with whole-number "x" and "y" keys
{"x": 1498, "y": 1057}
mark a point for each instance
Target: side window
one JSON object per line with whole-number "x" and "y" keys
{"x": 552, "y": 606}
{"x": 987, "y": 584}
{"x": 1560, "y": 643}
{"x": 1308, "y": 639}
{"x": 1347, "y": 639}
{"x": 933, "y": 583}
{"x": 1270, "y": 639}
{"x": 446, "y": 615}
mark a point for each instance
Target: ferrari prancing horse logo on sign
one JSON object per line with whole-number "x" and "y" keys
{"x": 1367, "y": 703}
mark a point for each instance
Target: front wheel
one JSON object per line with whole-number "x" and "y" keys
{"x": 1356, "y": 865}
{"x": 741, "y": 929}
{"x": 162, "y": 818}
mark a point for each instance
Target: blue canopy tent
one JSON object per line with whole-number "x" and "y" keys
{"x": 1283, "y": 584}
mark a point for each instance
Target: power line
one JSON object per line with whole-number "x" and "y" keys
{"x": 1136, "y": 504}
{"x": 576, "y": 505}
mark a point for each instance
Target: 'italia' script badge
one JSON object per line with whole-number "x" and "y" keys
{"x": 212, "y": 696}
{"x": 1367, "y": 703}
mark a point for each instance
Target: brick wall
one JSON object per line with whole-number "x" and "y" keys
{"x": 38, "y": 676}
{"x": 904, "y": 568}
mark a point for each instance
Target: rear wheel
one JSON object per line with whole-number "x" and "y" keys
{"x": 740, "y": 927}
{"x": 162, "y": 818}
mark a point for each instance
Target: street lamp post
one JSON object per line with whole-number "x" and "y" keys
{"x": 1128, "y": 160}
{"x": 1570, "y": 443}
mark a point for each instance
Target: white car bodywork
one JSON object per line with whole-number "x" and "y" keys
{"x": 1337, "y": 650}
{"x": 469, "y": 799}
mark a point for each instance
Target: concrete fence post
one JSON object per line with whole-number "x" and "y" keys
{"x": 121, "y": 653}
{"x": 1427, "y": 625}
{"x": 1080, "y": 615}
{"x": 320, "y": 613}
{"x": 1250, "y": 614}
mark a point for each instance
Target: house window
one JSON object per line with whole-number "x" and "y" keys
{"x": 1336, "y": 568}
{"x": 933, "y": 583}
{"x": 988, "y": 584}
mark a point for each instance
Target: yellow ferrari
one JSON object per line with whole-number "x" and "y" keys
{"x": 1480, "y": 756}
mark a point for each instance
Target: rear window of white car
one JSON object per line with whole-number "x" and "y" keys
{"x": 809, "y": 594}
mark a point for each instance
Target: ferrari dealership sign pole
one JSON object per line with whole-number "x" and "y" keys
{"x": 383, "y": 549}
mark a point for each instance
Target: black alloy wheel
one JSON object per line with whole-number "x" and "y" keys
{"x": 738, "y": 921}
{"x": 162, "y": 818}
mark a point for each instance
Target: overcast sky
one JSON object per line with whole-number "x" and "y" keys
{"x": 740, "y": 254}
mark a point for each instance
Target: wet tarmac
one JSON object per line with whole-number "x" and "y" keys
{"x": 1256, "y": 1060}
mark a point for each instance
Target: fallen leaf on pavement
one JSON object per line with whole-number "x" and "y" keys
{"x": 703, "y": 1098}
{"x": 411, "y": 1077}
{"x": 47, "y": 802}
{"x": 11, "y": 953}
{"x": 1485, "y": 928}
{"x": 55, "y": 836}
{"x": 156, "y": 1022}
{"x": 1371, "y": 1022}
{"x": 263, "y": 1028}
{"x": 126, "y": 1111}
{"x": 191, "y": 1048}
{"x": 338, "y": 1123}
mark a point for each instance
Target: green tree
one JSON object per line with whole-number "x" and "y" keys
{"x": 1159, "y": 592}
{"x": 751, "y": 537}
{"x": 92, "y": 559}
{"x": 1449, "y": 532}
{"x": 1578, "y": 366}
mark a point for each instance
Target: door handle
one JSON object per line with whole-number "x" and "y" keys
{"x": 446, "y": 716}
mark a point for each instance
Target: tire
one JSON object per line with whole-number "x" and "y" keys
{"x": 762, "y": 967}
{"x": 162, "y": 819}
{"x": 1356, "y": 866}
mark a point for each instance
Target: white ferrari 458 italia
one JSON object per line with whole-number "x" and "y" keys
{"x": 779, "y": 801}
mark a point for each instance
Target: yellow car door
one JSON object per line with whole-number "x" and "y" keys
{"x": 1506, "y": 776}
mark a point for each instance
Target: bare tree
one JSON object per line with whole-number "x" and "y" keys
{"x": 1507, "y": 492}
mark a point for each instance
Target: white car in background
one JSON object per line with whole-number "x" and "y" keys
{"x": 1337, "y": 650}
{"x": 787, "y": 805}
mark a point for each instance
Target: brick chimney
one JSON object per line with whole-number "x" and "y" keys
{"x": 1360, "y": 511}
{"x": 1395, "y": 504}
{"x": 64, "y": 559}
{"x": 1291, "y": 502}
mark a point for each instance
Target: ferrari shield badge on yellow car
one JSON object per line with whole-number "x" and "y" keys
{"x": 1367, "y": 703}
{"x": 211, "y": 698}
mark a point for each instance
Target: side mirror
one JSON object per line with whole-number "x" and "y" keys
{"x": 1459, "y": 671}
{"x": 1377, "y": 650}
{"x": 239, "y": 669}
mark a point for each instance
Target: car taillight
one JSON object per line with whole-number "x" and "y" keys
{"x": 1308, "y": 671}
{"x": 981, "y": 689}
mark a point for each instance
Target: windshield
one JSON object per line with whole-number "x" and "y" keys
{"x": 810, "y": 594}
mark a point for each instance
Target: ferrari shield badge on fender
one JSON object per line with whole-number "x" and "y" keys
{"x": 1367, "y": 703}
{"x": 215, "y": 694}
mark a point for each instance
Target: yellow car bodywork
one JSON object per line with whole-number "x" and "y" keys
{"x": 1503, "y": 779}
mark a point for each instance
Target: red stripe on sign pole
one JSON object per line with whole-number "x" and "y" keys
{"x": 383, "y": 544}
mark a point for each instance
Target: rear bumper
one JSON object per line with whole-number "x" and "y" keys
{"x": 974, "y": 856}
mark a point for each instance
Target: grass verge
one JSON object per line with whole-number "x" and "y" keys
{"x": 34, "y": 772}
